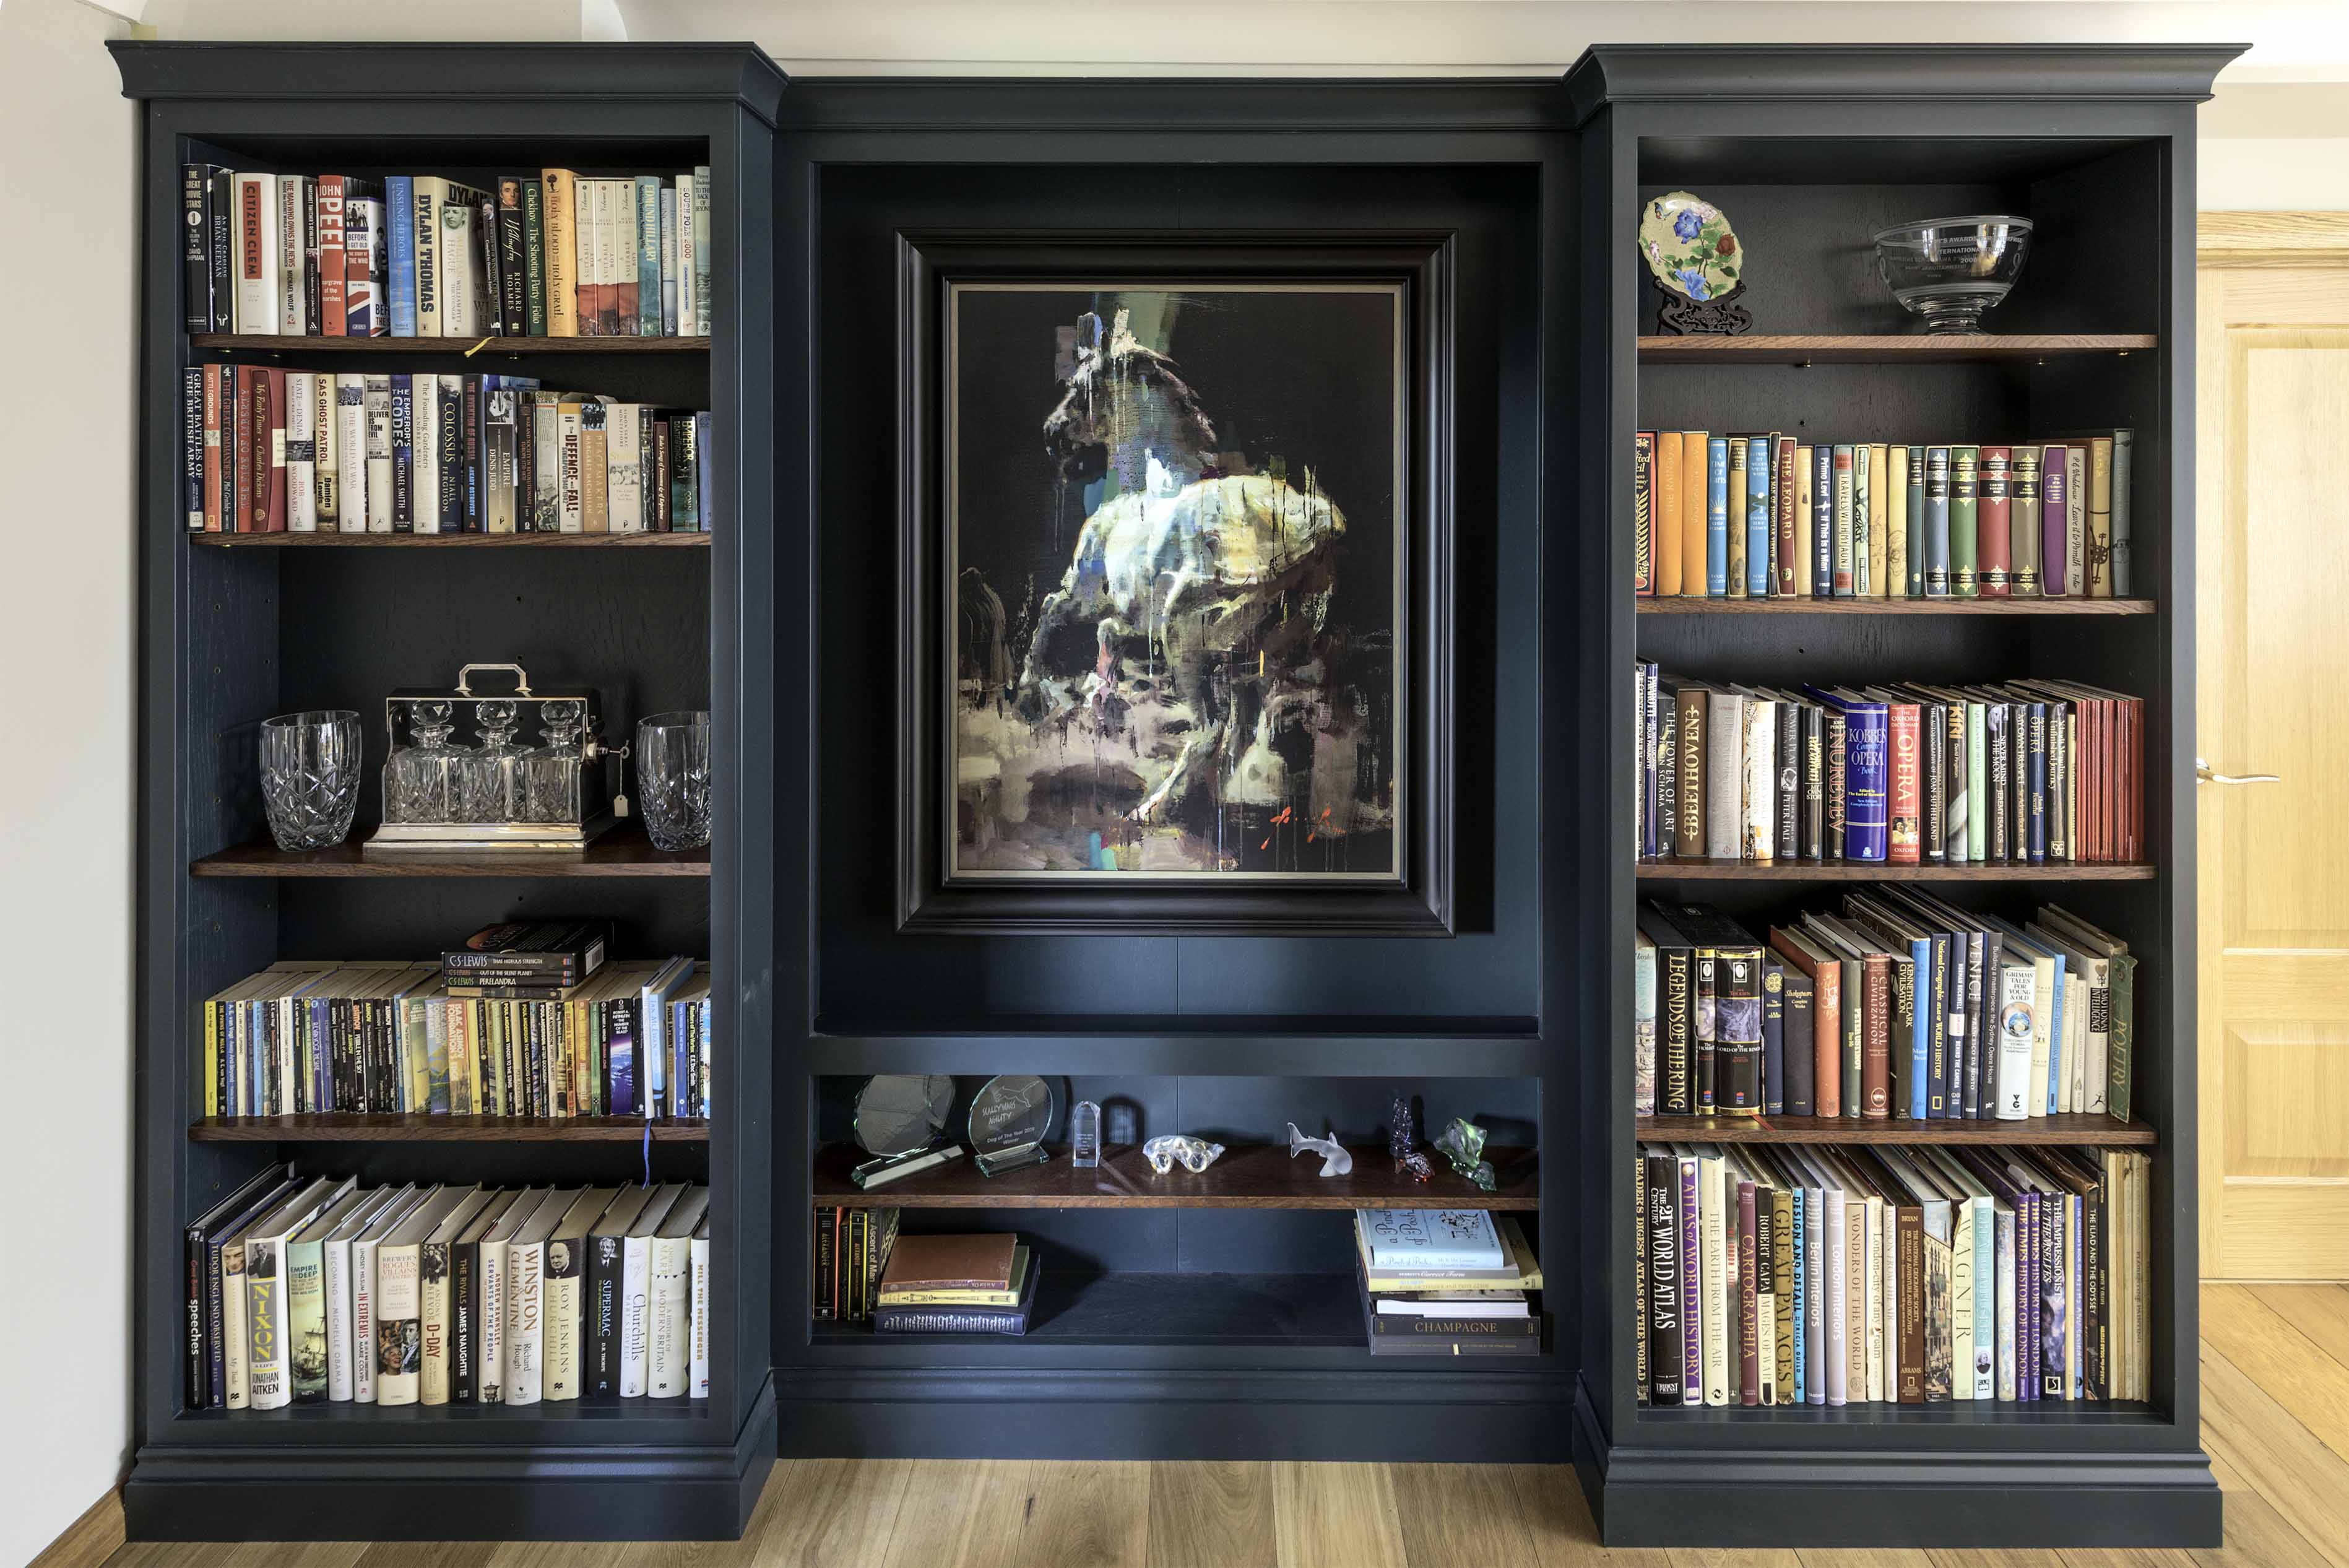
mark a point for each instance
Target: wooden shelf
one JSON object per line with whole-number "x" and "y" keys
{"x": 1887, "y": 351}
{"x": 1882, "y": 872}
{"x": 448, "y": 541}
{"x": 1293, "y": 1311}
{"x": 460, "y": 347}
{"x": 2075, "y": 1128}
{"x": 1248, "y": 1176}
{"x": 622, "y": 852}
{"x": 346, "y": 1127}
{"x": 1692, "y": 606}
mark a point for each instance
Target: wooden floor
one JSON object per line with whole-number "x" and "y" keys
{"x": 2275, "y": 1420}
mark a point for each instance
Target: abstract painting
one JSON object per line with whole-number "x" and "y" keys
{"x": 1177, "y": 549}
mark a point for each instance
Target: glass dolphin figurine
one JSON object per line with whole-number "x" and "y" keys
{"x": 1335, "y": 1160}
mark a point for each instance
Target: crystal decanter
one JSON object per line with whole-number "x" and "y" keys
{"x": 491, "y": 779}
{"x": 420, "y": 779}
{"x": 550, "y": 770}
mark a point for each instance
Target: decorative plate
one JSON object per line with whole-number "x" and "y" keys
{"x": 1689, "y": 247}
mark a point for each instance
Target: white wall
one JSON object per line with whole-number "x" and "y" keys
{"x": 2271, "y": 140}
{"x": 65, "y": 779}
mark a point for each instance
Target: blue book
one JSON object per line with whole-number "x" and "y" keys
{"x": 2034, "y": 806}
{"x": 1936, "y": 522}
{"x": 1757, "y": 518}
{"x": 1716, "y": 517}
{"x": 1802, "y": 1278}
{"x": 1868, "y": 774}
{"x": 1924, "y": 1027}
{"x": 648, "y": 323}
{"x": 399, "y": 212}
{"x": 2055, "y": 1063}
{"x": 1822, "y": 521}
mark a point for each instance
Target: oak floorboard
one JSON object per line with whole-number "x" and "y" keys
{"x": 2257, "y": 1535}
{"x": 832, "y": 1514}
{"x": 2267, "y": 1348}
{"x": 1212, "y": 1514}
{"x": 1550, "y": 1501}
{"x": 1734, "y": 1557}
{"x": 1335, "y": 1516}
{"x": 950, "y": 1506}
{"x": 1864, "y": 1557}
{"x": 1454, "y": 1515}
{"x": 2307, "y": 1482}
{"x": 2321, "y": 1312}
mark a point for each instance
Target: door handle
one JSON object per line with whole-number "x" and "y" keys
{"x": 2203, "y": 774}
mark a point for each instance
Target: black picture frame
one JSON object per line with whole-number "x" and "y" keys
{"x": 930, "y": 898}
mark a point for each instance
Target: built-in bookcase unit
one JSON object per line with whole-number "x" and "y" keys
{"x": 237, "y": 627}
{"x": 1810, "y": 151}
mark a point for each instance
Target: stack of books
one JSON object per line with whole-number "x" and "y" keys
{"x": 1897, "y": 1004}
{"x": 270, "y": 451}
{"x": 1770, "y": 516}
{"x": 956, "y": 1284}
{"x": 2023, "y": 772}
{"x": 315, "y": 1290}
{"x": 550, "y": 255}
{"x": 1445, "y": 1282}
{"x": 852, "y": 1246}
{"x": 1789, "y": 1274}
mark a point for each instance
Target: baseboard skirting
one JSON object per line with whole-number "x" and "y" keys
{"x": 478, "y": 1492}
{"x": 1885, "y": 1496}
{"x": 89, "y": 1540}
{"x": 1490, "y": 1416}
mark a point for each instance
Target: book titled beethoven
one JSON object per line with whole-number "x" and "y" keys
{"x": 558, "y": 952}
{"x": 1403, "y": 1239}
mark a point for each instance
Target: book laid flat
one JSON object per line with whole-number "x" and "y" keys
{"x": 1002, "y": 1320}
{"x": 1406, "y": 1240}
{"x": 951, "y": 1263}
{"x": 933, "y": 1295}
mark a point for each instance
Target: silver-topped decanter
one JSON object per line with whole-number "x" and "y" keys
{"x": 420, "y": 778}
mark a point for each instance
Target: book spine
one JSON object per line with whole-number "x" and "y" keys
{"x": 1786, "y": 796}
{"x": 565, "y": 1291}
{"x": 1845, "y": 555}
{"x": 1693, "y": 1288}
{"x": 1749, "y": 1358}
{"x": 1758, "y": 811}
{"x": 1756, "y": 511}
{"x": 697, "y": 1384}
{"x": 1905, "y": 806}
{"x": 399, "y": 252}
{"x": 1965, "y": 504}
{"x": 1868, "y": 780}
{"x": 1908, "y": 1374}
{"x": 364, "y": 262}
{"x": 2100, "y": 518}
{"x": 403, "y": 453}
{"x": 191, "y": 447}
{"x": 704, "y": 302}
{"x": 1938, "y": 497}
{"x": 1737, "y": 1032}
{"x": 525, "y": 1336}
{"x": 1644, "y": 465}
{"x": 515, "y": 259}
{"x": 490, "y": 1349}
{"x": 195, "y": 250}
{"x": 2024, "y": 514}
{"x": 1716, "y": 517}
{"x": 293, "y": 256}
{"x": 669, "y": 327}
{"x": 1913, "y": 516}
{"x": 561, "y": 254}
{"x": 1773, "y": 1036}
{"x": 534, "y": 257}
{"x": 1662, "y": 1230}
{"x": 648, "y": 256}
{"x": 1994, "y": 544}
{"x": 1875, "y": 1047}
{"x": 1786, "y": 492}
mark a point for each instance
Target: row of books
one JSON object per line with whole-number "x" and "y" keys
{"x": 395, "y": 1036}
{"x": 267, "y": 451}
{"x": 1445, "y": 1282}
{"x": 1770, "y": 516}
{"x": 1792, "y": 1275}
{"x": 852, "y": 1246}
{"x": 315, "y": 1290}
{"x": 2024, "y": 772}
{"x": 556, "y": 254}
{"x": 1896, "y": 1004}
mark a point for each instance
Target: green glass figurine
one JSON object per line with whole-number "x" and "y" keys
{"x": 1463, "y": 1144}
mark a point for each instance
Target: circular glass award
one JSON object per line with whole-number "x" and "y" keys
{"x": 899, "y": 1117}
{"x": 1009, "y": 1118}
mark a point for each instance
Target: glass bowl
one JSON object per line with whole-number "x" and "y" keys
{"x": 1951, "y": 270}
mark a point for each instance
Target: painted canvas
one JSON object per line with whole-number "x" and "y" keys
{"x": 1174, "y": 523}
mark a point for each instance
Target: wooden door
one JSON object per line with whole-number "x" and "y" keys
{"x": 2273, "y": 698}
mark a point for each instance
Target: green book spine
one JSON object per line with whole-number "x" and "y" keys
{"x": 1855, "y": 1034}
{"x": 2121, "y": 1044}
{"x": 306, "y": 1320}
{"x": 533, "y": 251}
{"x": 1965, "y": 500}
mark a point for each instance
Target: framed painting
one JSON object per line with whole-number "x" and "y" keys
{"x": 1174, "y": 554}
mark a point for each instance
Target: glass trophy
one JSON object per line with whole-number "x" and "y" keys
{"x": 898, "y": 1118}
{"x": 1084, "y": 1134}
{"x": 1009, "y": 1120}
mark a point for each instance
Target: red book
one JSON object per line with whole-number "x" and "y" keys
{"x": 243, "y": 478}
{"x": 1906, "y": 807}
{"x": 331, "y": 322}
{"x": 1782, "y": 584}
{"x": 256, "y": 442}
{"x": 273, "y": 437}
{"x": 1749, "y": 1339}
{"x": 1993, "y": 535}
{"x": 212, "y": 448}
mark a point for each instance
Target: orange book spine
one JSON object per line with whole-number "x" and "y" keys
{"x": 1666, "y": 515}
{"x": 1693, "y": 494}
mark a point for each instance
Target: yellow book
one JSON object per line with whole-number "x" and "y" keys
{"x": 1692, "y": 490}
{"x": 1879, "y": 484}
{"x": 1896, "y": 522}
{"x": 561, "y": 220}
